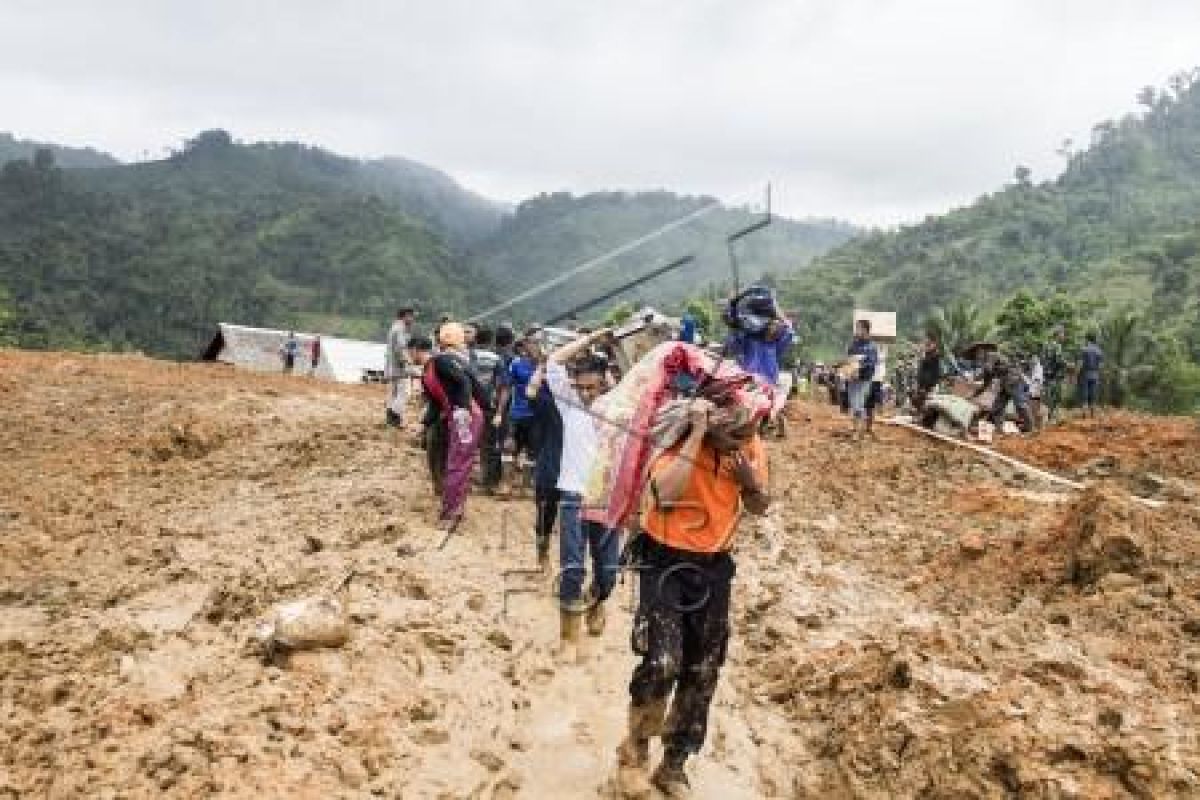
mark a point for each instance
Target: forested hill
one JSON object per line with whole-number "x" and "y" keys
{"x": 1119, "y": 226}
{"x": 13, "y": 149}
{"x": 552, "y": 233}
{"x": 150, "y": 256}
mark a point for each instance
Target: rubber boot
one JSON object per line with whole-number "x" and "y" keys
{"x": 670, "y": 779}
{"x": 570, "y": 623}
{"x": 633, "y": 754}
{"x": 596, "y": 618}
{"x": 644, "y": 722}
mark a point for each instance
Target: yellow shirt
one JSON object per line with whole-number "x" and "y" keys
{"x": 704, "y": 519}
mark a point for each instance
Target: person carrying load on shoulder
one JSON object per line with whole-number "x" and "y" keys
{"x": 697, "y": 488}
{"x": 866, "y": 354}
{"x": 759, "y": 339}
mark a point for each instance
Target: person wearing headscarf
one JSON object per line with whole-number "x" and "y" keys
{"x": 708, "y": 466}
{"x": 459, "y": 403}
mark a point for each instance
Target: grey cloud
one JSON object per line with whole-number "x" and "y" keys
{"x": 878, "y": 111}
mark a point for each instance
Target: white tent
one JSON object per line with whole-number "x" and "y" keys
{"x": 342, "y": 360}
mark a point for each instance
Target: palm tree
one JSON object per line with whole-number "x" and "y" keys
{"x": 958, "y": 325}
{"x": 1128, "y": 354}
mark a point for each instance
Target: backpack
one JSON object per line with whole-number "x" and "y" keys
{"x": 483, "y": 368}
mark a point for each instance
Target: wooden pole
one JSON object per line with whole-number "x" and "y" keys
{"x": 1012, "y": 462}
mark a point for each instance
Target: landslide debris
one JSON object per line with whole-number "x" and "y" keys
{"x": 910, "y": 621}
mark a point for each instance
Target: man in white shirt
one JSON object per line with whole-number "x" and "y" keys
{"x": 575, "y": 378}
{"x": 396, "y": 365}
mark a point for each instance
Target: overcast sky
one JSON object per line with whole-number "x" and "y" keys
{"x": 876, "y": 111}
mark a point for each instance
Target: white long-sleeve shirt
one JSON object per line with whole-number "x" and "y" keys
{"x": 579, "y": 440}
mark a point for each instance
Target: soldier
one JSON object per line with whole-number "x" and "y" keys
{"x": 1054, "y": 371}
{"x": 1003, "y": 372}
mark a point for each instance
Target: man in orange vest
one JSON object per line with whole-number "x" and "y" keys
{"x": 694, "y": 498}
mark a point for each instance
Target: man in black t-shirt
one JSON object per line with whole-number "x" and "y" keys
{"x": 487, "y": 367}
{"x": 546, "y": 467}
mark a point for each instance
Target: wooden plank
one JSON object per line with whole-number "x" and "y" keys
{"x": 1021, "y": 466}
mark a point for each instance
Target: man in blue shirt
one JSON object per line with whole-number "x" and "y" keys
{"x": 760, "y": 354}
{"x": 687, "y": 328}
{"x": 524, "y": 428}
{"x": 1090, "y": 361}
{"x": 289, "y": 351}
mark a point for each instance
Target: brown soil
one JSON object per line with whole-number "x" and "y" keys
{"x": 911, "y": 621}
{"x": 1129, "y": 443}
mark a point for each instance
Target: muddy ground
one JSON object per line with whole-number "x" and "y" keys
{"x": 911, "y": 621}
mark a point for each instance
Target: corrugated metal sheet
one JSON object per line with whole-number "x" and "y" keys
{"x": 342, "y": 360}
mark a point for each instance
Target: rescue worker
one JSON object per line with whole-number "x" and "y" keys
{"x": 1054, "y": 370}
{"x": 1090, "y": 361}
{"x": 695, "y": 495}
{"x": 1002, "y": 372}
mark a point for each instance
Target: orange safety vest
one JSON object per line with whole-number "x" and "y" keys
{"x": 704, "y": 519}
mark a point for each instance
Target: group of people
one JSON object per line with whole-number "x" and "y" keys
{"x": 648, "y": 471}
{"x": 1028, "y": 386}
{"x": 290, "y": 350}
{"x": 1031, "y": 383}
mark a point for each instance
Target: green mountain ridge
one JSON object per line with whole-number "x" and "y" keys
{"x": 1117, "y": 230}
{"x": 550, "y": 234}
{"x": 151, "y": 255}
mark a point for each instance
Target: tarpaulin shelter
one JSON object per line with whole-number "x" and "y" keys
{"x": 342, "y": 360}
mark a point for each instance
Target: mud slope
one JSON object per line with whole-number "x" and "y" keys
{"x": 911, "y": 622}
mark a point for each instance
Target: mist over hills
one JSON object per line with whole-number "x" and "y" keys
{"x": 551, "y": 233}
{"x": 13, "y": 149}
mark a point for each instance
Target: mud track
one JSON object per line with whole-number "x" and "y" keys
{"x": 910, "y": 621}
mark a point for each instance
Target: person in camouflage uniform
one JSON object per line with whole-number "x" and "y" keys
{"x": 1003, "y": 371}
{"x": 1054, "y": 369}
